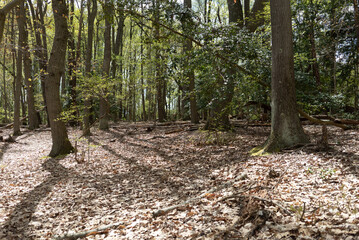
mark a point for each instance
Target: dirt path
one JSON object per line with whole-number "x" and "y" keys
{"x": 129, "y": 172}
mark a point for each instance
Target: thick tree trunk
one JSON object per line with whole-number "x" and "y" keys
{"x": 235, "y": 11}
{"x": 60, "y": 141}
{"x": 286, "y": 129}
{"x": 104, "y": 103}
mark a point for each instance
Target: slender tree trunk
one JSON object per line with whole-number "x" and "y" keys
{"x": 286, "y": 129}
{"x": 160, "y": 81}
{"x": 72, "y": 64}
{"x": 117, "y": 48}
{"x": 92, "y": 11}
{"x": 4, "y": 11}
{"x": 60, "y": 141}
{"x": 144, "y": 115}
{"x": 18, "y": 79}
{"x": 187, "y": 24}
{"x": 356, "y": 16}
{"x": 32, "y": 115}
{"x": 41, "y": 46}
{"x": 313, "y": 52}
{"x": 4, "y": 79}
{"x": 104, "y": 103}
{"x": 131, "y": 78}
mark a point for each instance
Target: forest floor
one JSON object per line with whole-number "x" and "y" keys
{"x": 125, "y": 175}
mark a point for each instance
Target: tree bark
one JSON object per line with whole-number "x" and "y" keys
{"x": 356, "y": 17}
{"x": 286, "y": 129}
{"x": 32, "y": 119}
{"x": 18, "y": 79}
{"x": 60, "y": 141}
{"x": 160, "y": 81}
{"x": 255, "y": 18}
{"x": 117, "y": 50}
{"x": 5, "y": 10}
{"x": 235, "y": 11}
{"x": 72, "y": 64}
{"x": 104, "y": 104}
{"x": 187, "y": 24}
{"x": 41, "y": 46}
{"x": 92, "y": 11}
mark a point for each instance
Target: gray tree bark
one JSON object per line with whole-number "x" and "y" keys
{"x": 286, "y": 129}
{"x": 60, "y": 141}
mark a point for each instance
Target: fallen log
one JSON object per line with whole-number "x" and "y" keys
{"x": 164, "y": 211}
{"x": 318, "y": 121}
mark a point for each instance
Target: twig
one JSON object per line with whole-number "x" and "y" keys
{"x": 99, "y": 230}
{"x": 164, "y": 211}
{"x": 273, "y": 202}
{"x": 302, "y": 215}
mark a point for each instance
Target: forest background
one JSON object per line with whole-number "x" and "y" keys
{"x": 79, "y": 62}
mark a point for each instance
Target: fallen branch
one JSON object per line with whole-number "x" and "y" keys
{"x": 347, "y": 121}
{"x": 99, "y": 230}
{"x": 317, "y": 121}
{"x": 11, "y": 124}
{"x": 164, "y": 211}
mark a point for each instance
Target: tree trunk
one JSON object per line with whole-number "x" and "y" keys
{"x": 72, "y": 64}
{"x": 104, "y": 103}
{"x": 41, "y": 46}
{"x": 160, "y": 81}
{"x": 32, "y": 114}
{"x": 87, "y": 100}
{"x": 144, "y": 115}
{"x": 187, "y": 24}
{"x": 286, "y": 129}
{"x": 313, "y": 52}
{"x": 18, "y": 79}
{"x": 235, "y": 12}
{"x": 4, "y": 83}
{"x": 60, "y": 141}
{"x": 356, "y": 17}
{"x": 117, "y": 50}
{"x": 255, "y": 18}
{"x": 5, "y": 10}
